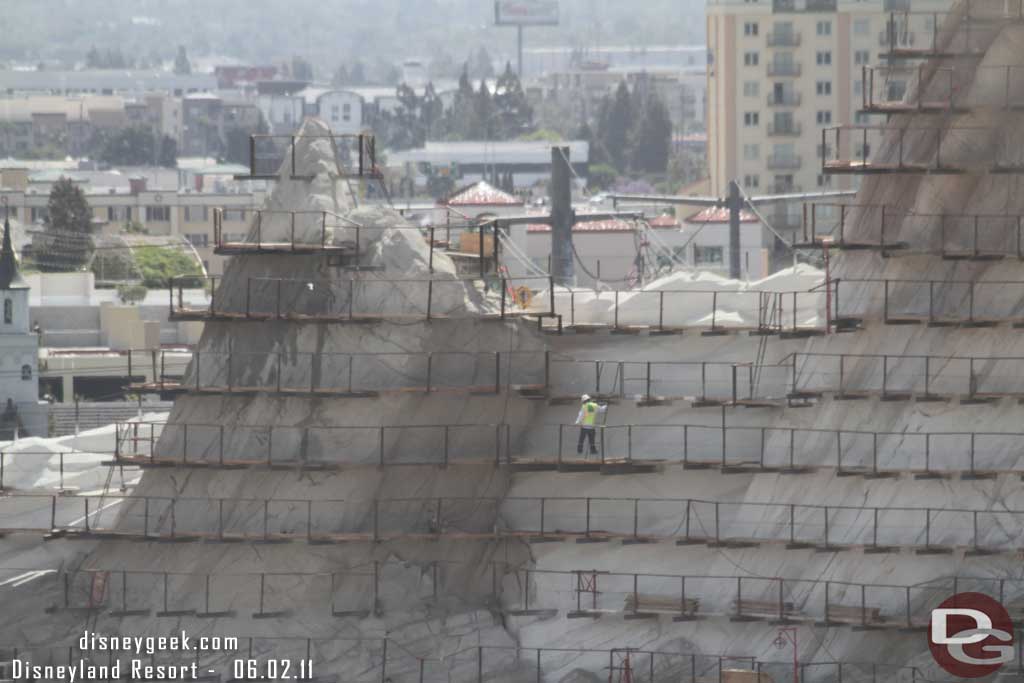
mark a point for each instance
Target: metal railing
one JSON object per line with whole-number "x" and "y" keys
{"x": 366, "y": 299}
{"x": 937, "y": 302}
{"x": 906, "y": 376}
{"x": 919, "y": 150}
{"x": 729, "y": 448}
{"x": 368, "y": 374}
{"x": 953, "y": 236}
{"x": 784, "y": 39}
{"x": 776, "y": 312}
{"x": 356, "y": 592}
{"x": 784, "y": 161}
{"x": 353, "y": 156}
{"x": 786, "y": 99}
{"x": 943, "y": 88}
{"x": 780, "y": 69}
{"x": 964, "y": 32}
{"x": 792, "y": 128}
{"x": 684, "y": 521}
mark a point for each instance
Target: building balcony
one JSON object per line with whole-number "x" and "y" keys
{"x": 900, "y": 38}
{"x": 784, "y": 161}
{"x": 787, "y": 39}
{"x": 784, "y": 69}
{"x": 788, "y": 99}
{"x": 785, "y": 188}
{"x": 791, "y": 129}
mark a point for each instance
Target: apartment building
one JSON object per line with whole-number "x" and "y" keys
{"x": 182, "y": 206}
{"x": 779, "y": 72}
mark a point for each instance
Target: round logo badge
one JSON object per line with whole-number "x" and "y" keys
{"x": 971, "y": 635}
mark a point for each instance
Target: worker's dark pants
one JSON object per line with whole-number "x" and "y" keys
{"x": 588, "y": 434}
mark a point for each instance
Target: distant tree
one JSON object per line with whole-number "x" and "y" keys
{"x": 483, "y": 107}
{"x": 168, "y": 153}
{"x": 480, "y": 64}
{"x": 341, "y": 76}
{"x": 653, "y": 137}
{"x": 515, "y": 115}
{"x": 68, "y": 208}
{"x": 601, "y": 176}
{"x": 181, "y": 64}
{"x": 92, "y": 58}
{"x": 66, "y": 244}
{"x": 614, "y": 126}
{"x": 358, "y": 74}
{"x": 301, "y": 69}
{"x": 131, "y": 146}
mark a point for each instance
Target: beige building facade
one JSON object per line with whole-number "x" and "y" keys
{"x": 781, "y": 71}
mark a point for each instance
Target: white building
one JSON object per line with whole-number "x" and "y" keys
{"x": 19, "y": 351}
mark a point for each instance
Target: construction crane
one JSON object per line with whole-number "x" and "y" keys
{"x": 736, "y": 200}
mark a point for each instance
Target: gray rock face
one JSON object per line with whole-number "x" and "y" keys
{"x": 444, "y": 593}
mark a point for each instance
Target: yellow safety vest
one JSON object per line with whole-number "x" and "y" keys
{"x": 589, "y": 413}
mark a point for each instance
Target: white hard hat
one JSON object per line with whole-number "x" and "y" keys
{"x": 585, "y": 397}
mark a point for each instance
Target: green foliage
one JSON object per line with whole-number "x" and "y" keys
{"x": 653, "y": 137}
{"x": 542, "y": 135}
{"x": 131, "y": 294}
{"x": 114, "y": 265}
{"x": 634, "y": 131}
{"x": 601, "y": 176}
{"x": 158, "y": 265}
{"x": 68, "y": 208}
{"x": 134, "y": 146}
{"x": 111, "y": 58}
{"x": 181, "y": 64}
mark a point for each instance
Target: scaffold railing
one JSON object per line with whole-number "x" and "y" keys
{"x": 366, "y": 299}
{"x": 381, "y": 658}
{"x": 533, "y": 374}
{"x": 962, "y": 32}
{"x": 935, "y": 303}
{"x": 953, "y": 236}
{"x": 921, "y": 88}
{"x": 275, "y": 156}
{"x": 356, "y": 592}
{"x": 683, "y": 521}
{"x": 903, "y": 377}
{"x": 920, "y": 150}
{"x": 550, "y": 447}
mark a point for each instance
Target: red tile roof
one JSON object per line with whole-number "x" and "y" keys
{"x": 481, "y": 194}
{"x": 665, "y": 220}
{"x": 583, "y": 225}
{"x": 719, "y": 215}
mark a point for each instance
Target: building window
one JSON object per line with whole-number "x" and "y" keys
{"x": 824, "y": 57}
{"x": 750, "y": 58}
{"x": 158, "y": 213}
{"x": 751, "y": 88}
{"x": 8, "y": 311}
{"x": 750, "y": 28}
{"x": 198, "y": 239}
{"x": 858, "y": 87}
{"x": 196, "y": 214}
{"x": 707, "y": 256}
{"x": 823, "y": 87}
{"x": 26, "y": 372}
{"x": 861, "y": 118}
{"x": 40, "y": 214}
{"x": 751, "y": 118}
{"x": 824, "y": 180}
{"x": 824, "y": 28}
{"x": 861, "y": 27}
{"x": 861, "y": 57}
{"x": 824, "y": 151}
{"x": 119, "y": 213}
{"x": 346, "y": 112}
{"x": 824, "y": 117}
{"x": 334, "y": 112}
{"x": 751, "y": 182}
{"x": 237, "y": 215}
{"x": 751, "y": 152}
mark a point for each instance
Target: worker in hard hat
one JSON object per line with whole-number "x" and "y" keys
{"x": 587, "y": 420}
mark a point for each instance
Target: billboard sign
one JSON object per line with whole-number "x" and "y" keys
{"x": 526, "y": 12}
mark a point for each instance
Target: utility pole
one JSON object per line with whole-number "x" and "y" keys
{"x": 734, "y": 202}
{"x": 562, "y": 218}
